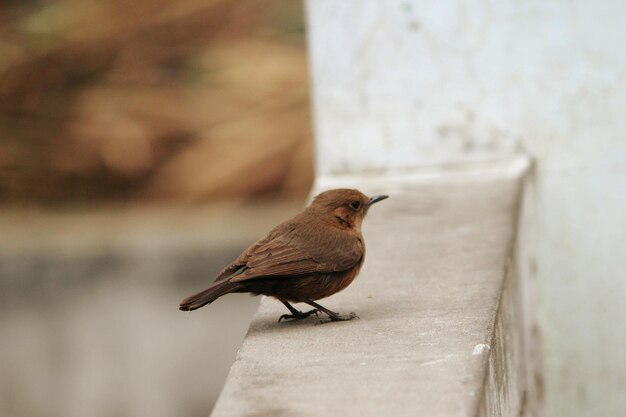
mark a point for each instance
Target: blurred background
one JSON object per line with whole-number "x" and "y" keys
{"x": 143, "y": 145}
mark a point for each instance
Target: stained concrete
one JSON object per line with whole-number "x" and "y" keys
{"x": 418, "y": 82}
{"x": 433, "y": 338}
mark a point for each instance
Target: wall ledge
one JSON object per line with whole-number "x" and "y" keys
{"x": 440, "y": 330}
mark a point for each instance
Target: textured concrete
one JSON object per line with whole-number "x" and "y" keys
{"x": 421, "y": 82}
{"x": 433, "y": 338}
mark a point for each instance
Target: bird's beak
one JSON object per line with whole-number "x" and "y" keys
{"x": 376, "y": 199}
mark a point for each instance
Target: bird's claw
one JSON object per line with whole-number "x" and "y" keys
{"x": 339, "y": 317}
{"x": 299, "y": 316}
{"x": 287, "y": 317}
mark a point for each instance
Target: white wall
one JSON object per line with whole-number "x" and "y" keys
{"x": 405, "y": 83}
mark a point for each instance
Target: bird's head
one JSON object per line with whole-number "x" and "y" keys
{"x": 343, "y": 206}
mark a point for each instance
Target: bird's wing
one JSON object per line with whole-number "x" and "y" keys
{"x": 300, "y": 251}
{"x": 240, "y": 264}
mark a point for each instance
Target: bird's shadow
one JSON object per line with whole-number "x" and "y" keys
{"x": 269, "y": 323}
{"x": 370, "y": 310}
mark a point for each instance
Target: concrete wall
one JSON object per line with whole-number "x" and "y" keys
{"x": 405, "y": 83}
{"x": 439, "y": 328}
{"x": 89, "y": 319}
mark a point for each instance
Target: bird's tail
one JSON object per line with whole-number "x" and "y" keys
{"x": 209, "y": 295}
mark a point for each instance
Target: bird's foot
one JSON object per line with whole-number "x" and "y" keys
{"x": 339, "y": 317}
{"x": 297, "y": 315}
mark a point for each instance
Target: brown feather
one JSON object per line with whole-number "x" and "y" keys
{"x": 311, "y": 256}
{"x": 303, "y": 250}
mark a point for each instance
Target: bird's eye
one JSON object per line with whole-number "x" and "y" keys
{"x": 355, "y": 205}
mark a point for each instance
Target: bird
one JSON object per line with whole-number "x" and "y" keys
{"x": 311, "y": 256}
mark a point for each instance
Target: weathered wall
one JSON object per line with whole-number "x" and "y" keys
{"x": 427, "y": 82}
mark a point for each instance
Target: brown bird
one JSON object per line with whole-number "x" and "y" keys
{"x": 311, "y": 256}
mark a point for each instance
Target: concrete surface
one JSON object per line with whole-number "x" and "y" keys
{"x": 417, "y": 83}
{"x": 433, "y": 338}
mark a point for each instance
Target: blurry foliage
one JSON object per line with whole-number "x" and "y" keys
{"x": 152, "y": 100}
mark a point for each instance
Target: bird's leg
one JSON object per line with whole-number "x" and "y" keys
{"x": 295, "y": 314}
{"x": 331, "y": 314}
